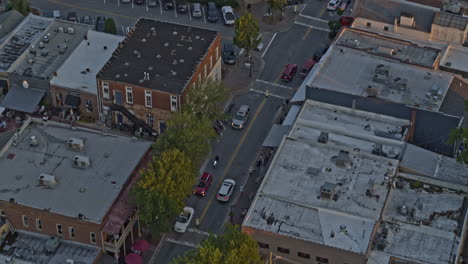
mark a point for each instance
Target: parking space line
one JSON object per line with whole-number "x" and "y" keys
{"x": 318, "y": 28}
{"x": 314, "y": 18}
{"x": 146, "y": 5}
{"x": 175, "y": 9}
{"x": 181, "y": 243}
{"x": 160, "y": 6}
{"x": 203, "y": 14}
{"x": 274, "y": 84}
{"x": 190, "y": 11}
{"x": 233, "y": 156}
{"x": 268, "y": 46}
{"x": 133, "y": 4}
{"x": 198, "y": 231}
{"x": 306, "y": 33}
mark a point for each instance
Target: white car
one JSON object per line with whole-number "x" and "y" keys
{"x": 228, "y": 15}
{"x": 333, "y": 5}
{"x": 226, "y": 190}
{"x": 184, "y": 220}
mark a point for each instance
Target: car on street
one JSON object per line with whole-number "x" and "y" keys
{"x": 203, "y": 184}
{"x": 139, "y": 2}
{"x": 153, "y": 3}
{"x": 196, "y": 10}
{"x": 212, "y": 12}
{"x": 288, "y": 72}
{"x": 87, "y": 20}
{"x": 241, "y": 117}
{"x": 305, "y": 69}
{"x": 319, "y": 53}
{"x": 333, "y": 5}
{"x": 100, "y": 23}
{"x": 181, "y": 6}
{"x": 167, "y": 4}
{"x": 229, "y": 54}
{"x": 184, "y": 220}
{"x": 72, "y": 17}
{"x": 226, "y": 190}
{"x": 228, "y": 15}
{"x": 346, "y": 21}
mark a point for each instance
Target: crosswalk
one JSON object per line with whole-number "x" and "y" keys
{"x": 299, "y": 9}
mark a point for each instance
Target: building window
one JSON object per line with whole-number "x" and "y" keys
{"x": 71, "y": 232}
{"x": 25, "y": 221}
{"x": 263, "y": 245}
{"x": 162, "y": 126}
{"x": 368, "y": 24}
{"x": 92, "y": 237}
{"x": 89, "y": 106}
{"x": 173, "y": 103}
{"x": 148, "y": 99}
{"x": 303, "y": 255}
{"x": 149, "y": 119}
{"x": 205, "y": 71}
{"x": 59, "y": 230}
{"x": 217, "y": 52}
{"x": 283, "y": 250}
{"x": 105, "y": 90}
{"x": 385, "y": 28}
{"x": 322, "y": 260}
{"x": 2, "y": 213}
{"x": 38, "y": 224}
{"x": 129, "y": 95}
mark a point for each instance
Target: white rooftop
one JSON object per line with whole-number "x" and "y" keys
{"x": 86, "y": 191}
{"x": 79, "y": 70}
{"x": 455, "y": 58}
{"x": 358, "y": 72}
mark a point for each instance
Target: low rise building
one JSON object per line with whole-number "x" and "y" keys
{"x": 9, "y": 21}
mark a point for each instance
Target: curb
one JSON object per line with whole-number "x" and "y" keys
{"x": 158, "y": 248}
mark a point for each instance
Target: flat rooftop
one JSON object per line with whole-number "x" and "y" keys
{"x": 455, "y": 58}
{"x": 80, "y": 69}
{"x": 29, "y": 247}
{"x": 421, "y": 222}
{"x": 351, "y": 128}
{"x": 314, "y": 191}
{"x": 450, "y": 20}
{"x": 19, "y": 40}
{"x": 169, "y": 53}
{"x": 8, "y": 22}
{"x": 112, "y": 161}
{"x": 359, "y": 73}
{"x": 49, "y": 52}
{"x": 391, "y": 48}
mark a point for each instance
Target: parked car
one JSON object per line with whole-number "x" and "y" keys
{"x": 139, "y": 2}
{"x": 184, "y": 219}
{"x": 226, "y": 190}
{"x": 319, "y": 53}
{"x": 181, "y": 6}
{"x": 100, "y": 23}
{"x": 72, "y": 17}
{"x": 212, "y": 12}
{"x": 167, "y": 4}
{"x": 87, "y": 20}
{"x": 333, "y": 5}
{"x": 228, "y": 15}
{"x": 153, "y": 3}
{"x": 305, "y": 69}
{"x": 346, "y": 21}
{"x": 196, "y": 10}
{"x": 288, "y": 72}
{"x": 229, "y": 54}
{"x": 203, "y": 184}
{"x": 241, "y": 117}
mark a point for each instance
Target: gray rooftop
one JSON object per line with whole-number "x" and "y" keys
{"x": 359, "y": 73}
{"x": 8, "y": 22}
{"x": 23, "y": 35}
{"x": 455, "y": 58}
{"x": 29, "y": 248}
{"x": 49, "y": 52}
{"x": 80, "y": 69}
{"x": 451, "y": 20}
{"x": 402, "y": 51}
{"x": 91, "y": 191}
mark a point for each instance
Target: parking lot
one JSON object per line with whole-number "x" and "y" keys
{"x": 318, "y": 9}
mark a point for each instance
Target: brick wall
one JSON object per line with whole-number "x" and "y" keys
{"x": 54, "y": 90}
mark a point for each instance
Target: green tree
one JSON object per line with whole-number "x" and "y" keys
{"x": 204, "y": 99}
{"x": 232, "y": 247}
{"x": 277, "y": 5}
{"x": 21, "y": 6}
{"x": 459, "y": 137}
{"x": 109, "y": 26}
{"x": 246, "y": 32}
{"x": 188, "y": 133}
{"x": 162, "y": 188}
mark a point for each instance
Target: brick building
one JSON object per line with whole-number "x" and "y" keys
{"x": 149, "y": 74}
{"x": 72, "y": 184}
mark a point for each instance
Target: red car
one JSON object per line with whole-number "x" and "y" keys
{"x": 346, "y": 21}
{"x": 289, "y": 71}
{"x": 203, "y": 184}
{"x": 307, "y": 67}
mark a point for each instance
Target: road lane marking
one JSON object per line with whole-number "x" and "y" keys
{"x": 318, "y": 28}
{"x": 198, "y": 231}
{"x": 269, "y": 94}
{"x": 322, "y": 12}
{"x": 233, "y": 156}
{"x": 306, "y": 33}
{"x": 314, "y": 18}
{"x": 181, "y": 243}
{"x": 278, "y": 77}
{"x": 268, "y": 46}
{"x": 274, "y": 84}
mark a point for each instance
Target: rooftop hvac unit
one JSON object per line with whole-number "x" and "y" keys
{"x": 47, "y": 180}
{"x": 323, "y": 138}
{"x": 75, "y": 144}
{"x": 71, "y": 30}
{"x": 81, "y": 162}
{"x": 327, "y": 190}
{"x": 70, "y": 261}
{"x": 343, "y": 158}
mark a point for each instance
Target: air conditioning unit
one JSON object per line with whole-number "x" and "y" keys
{"x": 47, "y": 180}
{"x": 81, "y": 162}
{"x": 71, "y": 30}
{"x": 70, "y": 261}
{"x": 75, "y": 144}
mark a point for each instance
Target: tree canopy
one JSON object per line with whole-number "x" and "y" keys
{"x": 277, "y": 5}
{"x": 459, "y": 137}
{"x": 110, "y": 27}
{"x": 203, "y": 99}
{"x": 247, "y": 32}
{"x": 21, "y": 6}
{"x": 232, "y": 247}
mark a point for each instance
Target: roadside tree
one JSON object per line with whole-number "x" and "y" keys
{"x": 110, "y": 27}
{"x": 247, "y": 32}
{"x": 277, "y": 5}
{"x": 21, "y": 6}
{"x": 204, "y": 99}
{"x": 459, "y": 137}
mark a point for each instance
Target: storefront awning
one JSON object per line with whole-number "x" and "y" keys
{"x": 22, "y": 99}
{"x": 275, "y": 136}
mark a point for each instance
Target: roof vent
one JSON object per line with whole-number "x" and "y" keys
{"x": 189, "y": 48}
{"x": 197, "y": 37}
{"x": 327, "y": 190}
{"x": 166, "y": 44}
{"x": 41, "y": 45}
{"x": 60, "y": 29}
{"x": 126, "y": 63}
{"x": 45, "y": 39}
{"x": 31, "y": 61}
{"x": 150, "y": 68}
{"x": 323, "y": 138}
{"x": 174, "y": 33}
{"x": 47, "y": 180}
{"x": 62, "y": 48}
{"x": 173, "y": 73}
{"x": 174, "y": 62}
{"x": 75, "y": 144}
{"x": 404, "y": 210}
{"x": 81, "y": 162}
{"x": 158, "y": 56}
{"x": 44, "y": 53}
{"x": 32, "y": 50}
{"x": 33, "y": 141}
{"x": 343, "y": 228}
{"x": 181, "y": 60}
{"x": 343, "y": 159}
{"x": 71, "y": 30}
{"x": 117, "y": 76}
{"x": 313, "y": 171}
{"x": 143, "y": 40}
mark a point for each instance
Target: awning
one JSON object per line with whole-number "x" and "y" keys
{"x": 22, "y": 99}
{"x": 72, "y": 100}
{"x": 276, "y": 134}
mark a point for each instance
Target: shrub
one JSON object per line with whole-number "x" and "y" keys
{"x": 332, "y": 34}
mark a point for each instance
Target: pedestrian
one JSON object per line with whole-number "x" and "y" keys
{"x": 197, "y": 223}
